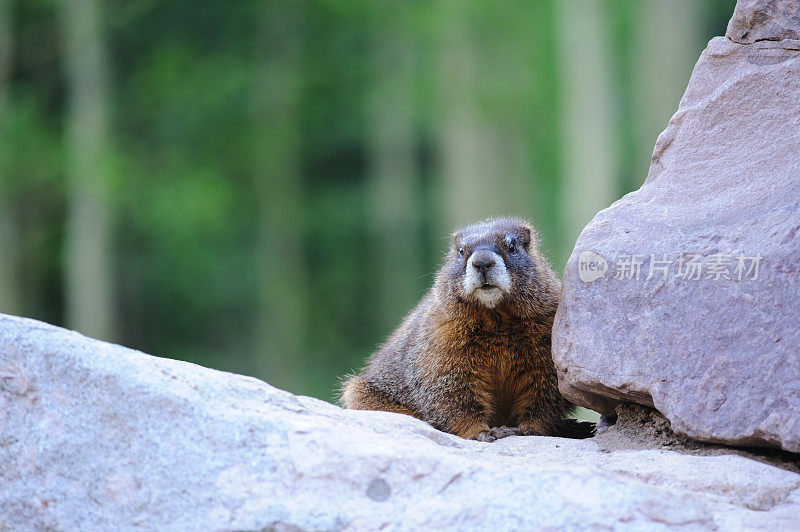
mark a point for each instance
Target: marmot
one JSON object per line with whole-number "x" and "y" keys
{"x": 473, "y": 358}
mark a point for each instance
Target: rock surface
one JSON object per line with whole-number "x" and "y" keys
{"x": 98, "y": 437}
{"x": 764, "y": 20}
{"x": 717, "y": 355}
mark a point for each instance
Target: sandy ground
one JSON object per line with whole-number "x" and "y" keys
{"x": 638, "y": 428}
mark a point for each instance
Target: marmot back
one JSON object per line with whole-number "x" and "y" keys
{"x": 473, "y": 358}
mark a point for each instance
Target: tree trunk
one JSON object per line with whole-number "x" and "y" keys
{"x": 280, "y": 263}
{"x": 483, "y": 141}
{"x": 394, "y": 174}
{"x": 88, "y": 256}
{"x": 9, "y": 273}
{"x": 588, "y": 155}
{"x": 464, "y": 189}
{"x": 667, "y": 40}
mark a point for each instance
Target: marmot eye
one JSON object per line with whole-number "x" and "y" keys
{"x": 512, "y": 245}
{"x": 461, "y": 251}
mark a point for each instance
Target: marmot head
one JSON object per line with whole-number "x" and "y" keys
{"x": 492, "y": 262}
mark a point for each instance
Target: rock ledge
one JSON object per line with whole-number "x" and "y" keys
{"x": 96, "y": 436}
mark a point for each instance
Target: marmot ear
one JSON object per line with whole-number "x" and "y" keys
{"x": 454, "y": 239}
{"x": 530, "y": 240}
{"x": 527, "y": 234}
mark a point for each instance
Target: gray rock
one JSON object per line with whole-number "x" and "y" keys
{"x": 98, "y": 437}
{"x": 764, "y": 20}
{"x": 717, "y": 356}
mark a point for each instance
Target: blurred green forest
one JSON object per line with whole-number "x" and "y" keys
{"x": 267, "y": 187}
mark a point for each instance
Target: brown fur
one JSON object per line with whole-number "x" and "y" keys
{"x": 465, "y": 368}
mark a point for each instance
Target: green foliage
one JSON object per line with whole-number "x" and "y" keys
{"x": 184, "y": 144}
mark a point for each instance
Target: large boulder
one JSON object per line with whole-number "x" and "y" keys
{"x": 98, "y": 437}
{"x": 707, "y": 328}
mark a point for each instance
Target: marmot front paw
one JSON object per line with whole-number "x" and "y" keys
{"x": 495, "y": 433}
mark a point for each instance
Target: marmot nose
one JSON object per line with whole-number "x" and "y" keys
{"x": 483, "y": 262}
